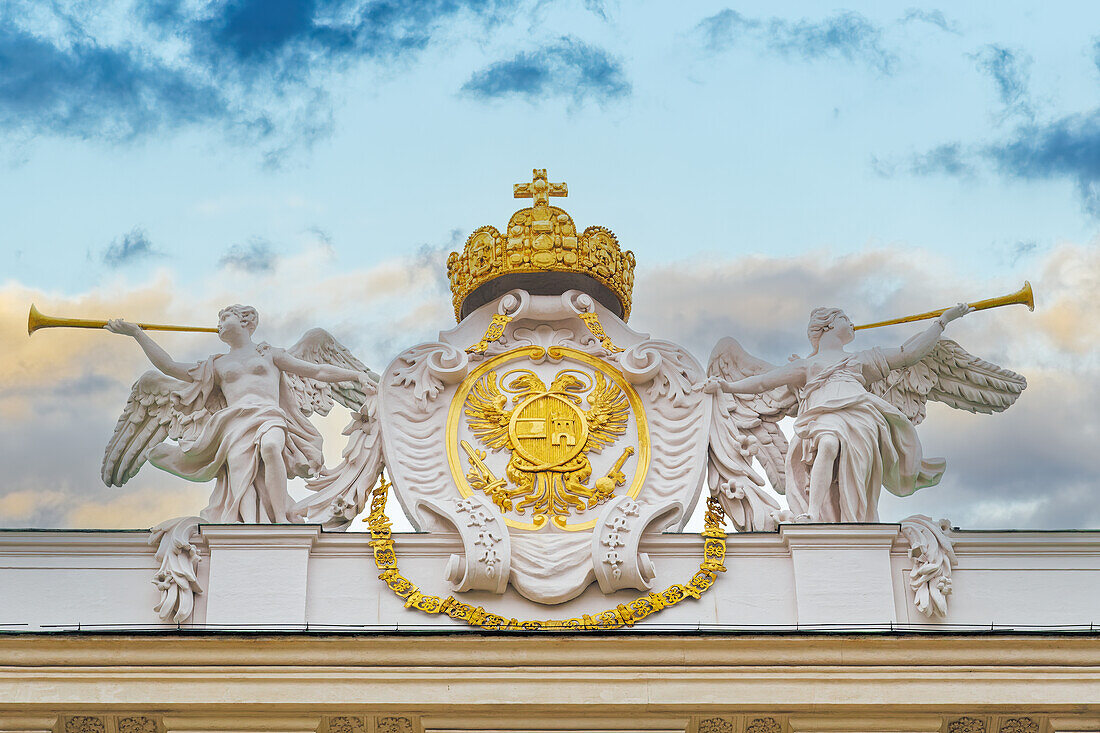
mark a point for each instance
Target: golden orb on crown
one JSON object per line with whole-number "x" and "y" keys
{"x": 542, "y": 253}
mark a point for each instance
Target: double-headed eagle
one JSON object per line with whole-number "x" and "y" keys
{"x": 549, "y": 436}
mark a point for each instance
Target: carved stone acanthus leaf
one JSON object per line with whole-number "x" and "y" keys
{"x": 1019, "y": 725}
{"x": 137, "y": 724}
{"x": 763, "y": 725}
{"x": 84, "y": 724}
{"x": 177, "y": 579}
{"x": 933, "y": 554}
{"x": 715, "y": 725}
{"x": 346, "y": 724}
{"x": 427, "y": 369}
{"x": 395, "y": 725}
{"x": 966, "y": 724}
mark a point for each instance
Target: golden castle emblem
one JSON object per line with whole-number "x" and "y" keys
{"x": 541, "y": 239}
{"x": 549, "y": 435}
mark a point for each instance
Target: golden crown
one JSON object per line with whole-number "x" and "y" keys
{"x": 542, "y": 254}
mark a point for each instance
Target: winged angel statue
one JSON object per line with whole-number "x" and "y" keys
{"x": 241, "y": 419}
{"x": 854, "y": 420}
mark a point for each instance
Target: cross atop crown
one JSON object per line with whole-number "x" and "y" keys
{"x": 539, "y": 188}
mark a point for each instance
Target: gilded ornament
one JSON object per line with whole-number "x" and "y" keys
{"x": 548, "y": 435}
{"x": 1019, "y": 725}
{"x": 625, "y": 614}
{"x": 540, "y": 239}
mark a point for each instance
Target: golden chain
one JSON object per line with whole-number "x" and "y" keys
{"x": 714, "y": 553}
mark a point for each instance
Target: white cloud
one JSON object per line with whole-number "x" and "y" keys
{"x": 61, "y": 391}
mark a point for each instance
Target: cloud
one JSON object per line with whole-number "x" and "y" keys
{"x": 258, "y": 69}
{"x": 949, "y": 158}
{"x": 932, "y": 17}
{"x": 1068, "y": 147}
{"x": 1028, "y": 467}
{"x": 567, "y": 67}
{"x": 1010, "y": 71}
{"x": 132, "y": 247}
{"x": 1031, "y": 466}
{"x": 846, "y": 35}
{"x": 256, "y": 256}
{"x": 87, "y": 90}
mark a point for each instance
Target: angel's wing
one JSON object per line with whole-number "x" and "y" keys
{"x": 320, "y": 347}
{"x": 608, "y": 414}
{"x": 341, "y": 493}
{"x": 144, "y": 423}
{"x": 744, "y": 426}
{"x": 952, "y": 376}
{"x": 485, "y": 408}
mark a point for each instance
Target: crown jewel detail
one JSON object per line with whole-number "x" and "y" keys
{"x": 541, "y": 239}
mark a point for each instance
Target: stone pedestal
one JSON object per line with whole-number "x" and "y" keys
{"x": 258, "y": 573}
{"x": 842, "y": 573}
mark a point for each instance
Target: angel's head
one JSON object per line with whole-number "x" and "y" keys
{"x": 832, "y": 321}
{"x": 237, "y": 320}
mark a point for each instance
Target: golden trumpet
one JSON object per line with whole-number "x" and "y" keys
{"x": 1023, "y": 296}
{"x": 36, "y": 320}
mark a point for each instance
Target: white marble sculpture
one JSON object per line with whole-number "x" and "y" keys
{"x": 238, "y": 418}
{"x": 451, "y": 418}
{"x": 854, "y": 412}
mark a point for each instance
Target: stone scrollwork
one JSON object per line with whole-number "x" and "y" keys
{"x": 485, "y": 540}
{"x": 426, "y": 369}
{"x": 177, "y": 579}
{"x": 618, "y": 563}
{"x": 933, "y": 555}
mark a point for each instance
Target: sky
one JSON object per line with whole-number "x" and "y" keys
{"x": 318, "y": 159}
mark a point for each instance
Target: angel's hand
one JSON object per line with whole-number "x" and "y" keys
{"x": 367, "y": 383}
{"x": 955, "y": 312}
{"x": 117, "y": 325}
{"x": 712, "y": 385}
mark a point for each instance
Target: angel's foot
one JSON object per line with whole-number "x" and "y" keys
{"x": 804, "y": 519}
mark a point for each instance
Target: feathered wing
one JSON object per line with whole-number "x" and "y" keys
{"x": 950, "y": 375}
{"x": 744, "y": 426}
{"x": 608, "y": 413}
{"x": 147, "y": 419}
{"x": 340, "y": 494}
{"x": 486, "y": 409}
{"x": 320, "y": 347}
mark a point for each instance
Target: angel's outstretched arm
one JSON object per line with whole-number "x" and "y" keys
{"x": 922, "y": 344}
{"x": 157, "y": 355}
{"x": 785, "y": 376}
{"x": 320, "y": 372}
